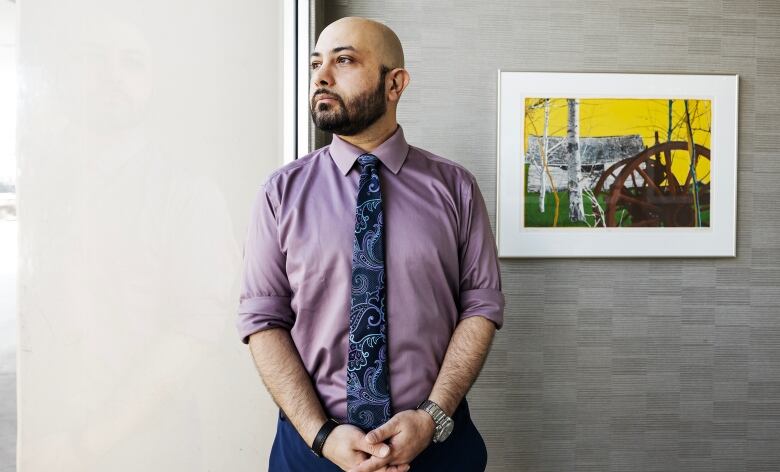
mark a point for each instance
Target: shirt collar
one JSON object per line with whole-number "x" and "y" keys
{"x": 392, "y": 152}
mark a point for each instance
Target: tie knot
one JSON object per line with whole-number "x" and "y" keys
{"x": 367, "y": 159}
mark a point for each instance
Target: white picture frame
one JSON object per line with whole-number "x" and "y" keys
{"x": 516, "y": 240}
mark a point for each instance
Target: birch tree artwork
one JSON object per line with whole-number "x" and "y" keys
{"x": 576, "y": 211}
{"x": 545, "y": 141}
{"x": 617, "y": 162}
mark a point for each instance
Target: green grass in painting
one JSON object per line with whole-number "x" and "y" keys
{"x": 535, "y": 219}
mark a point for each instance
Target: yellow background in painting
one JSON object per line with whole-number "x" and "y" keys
{"x": 624, "y": 116}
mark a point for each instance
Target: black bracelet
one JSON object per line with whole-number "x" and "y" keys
{"x": 319, "y": 440}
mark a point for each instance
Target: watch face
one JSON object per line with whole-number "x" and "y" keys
{"x": 445, "y": 430}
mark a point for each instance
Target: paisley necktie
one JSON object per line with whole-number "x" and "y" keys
{"x": 368, "y": 389}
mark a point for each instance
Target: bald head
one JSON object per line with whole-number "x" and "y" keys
{"x": 366, "y": 36}
{"x": 357, "y": 77}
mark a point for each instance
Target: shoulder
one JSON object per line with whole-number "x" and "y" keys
{"x": 280, "y": 175}
{"x": 281, "y": 179}
{"x": 454, "y": 172}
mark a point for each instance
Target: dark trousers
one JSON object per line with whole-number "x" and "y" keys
{"x": 463, "y": 451}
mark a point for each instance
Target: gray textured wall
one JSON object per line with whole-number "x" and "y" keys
{"x": 638, "y": 364}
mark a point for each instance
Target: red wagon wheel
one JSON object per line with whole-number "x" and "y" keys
{"x": 655, "y": 196}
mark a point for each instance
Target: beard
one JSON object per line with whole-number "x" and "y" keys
{"x": 351, "y": 118}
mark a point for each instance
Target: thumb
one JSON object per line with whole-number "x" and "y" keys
{"x": 382, "y": 433}
{"x": 380, "y": 450}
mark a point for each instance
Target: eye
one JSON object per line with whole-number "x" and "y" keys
{"x": 345, "y": 57}
{"x": 314, "y": 65}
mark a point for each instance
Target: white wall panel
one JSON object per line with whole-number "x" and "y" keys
{"x": 145, "y": 129}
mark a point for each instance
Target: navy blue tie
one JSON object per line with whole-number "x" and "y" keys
{"x": 368, "y": 389}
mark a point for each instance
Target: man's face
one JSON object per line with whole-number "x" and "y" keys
{"x": 354, "y": 83}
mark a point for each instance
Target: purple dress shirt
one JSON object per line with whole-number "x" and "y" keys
{"x": 441, "y": 263}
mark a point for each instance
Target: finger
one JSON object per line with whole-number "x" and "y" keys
{"x": 370, "y": 465}
{"x": 383, "y": 432}
{"x": 380, "y": 449}
{"x": 398, "y": 468}
{"x": 394, "y": 468}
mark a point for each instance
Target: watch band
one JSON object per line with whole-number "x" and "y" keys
{"x": 434, "y": 409}
{"x": 322, "y": 435}
{"x": 444, "y": 423}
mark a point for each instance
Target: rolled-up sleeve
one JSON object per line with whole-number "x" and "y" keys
{"x": 264, "y": 301}
{"x": 480, "y": 274}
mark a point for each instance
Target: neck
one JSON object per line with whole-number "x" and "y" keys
{"x": 370, "y": 138}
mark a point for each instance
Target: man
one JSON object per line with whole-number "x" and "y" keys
{"x": 371, "y": 280}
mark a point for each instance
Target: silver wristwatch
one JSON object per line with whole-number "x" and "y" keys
{"x": 444, "y": 424}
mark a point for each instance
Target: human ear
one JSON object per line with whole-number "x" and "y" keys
{"x": 400, "y": 80}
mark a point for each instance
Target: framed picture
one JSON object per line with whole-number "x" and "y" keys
{"x": 616, "y": 165}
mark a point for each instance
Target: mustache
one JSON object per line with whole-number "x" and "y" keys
{"x": 325, "y": 92}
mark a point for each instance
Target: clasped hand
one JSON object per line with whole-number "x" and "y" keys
{"x": 388, "y": 448}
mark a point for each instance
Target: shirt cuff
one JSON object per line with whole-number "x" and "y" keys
{"x": 263, "y": 312}
{"x": 487, "y": 302}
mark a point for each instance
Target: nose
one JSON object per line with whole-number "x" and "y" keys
{"x": 322, "y": 76}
